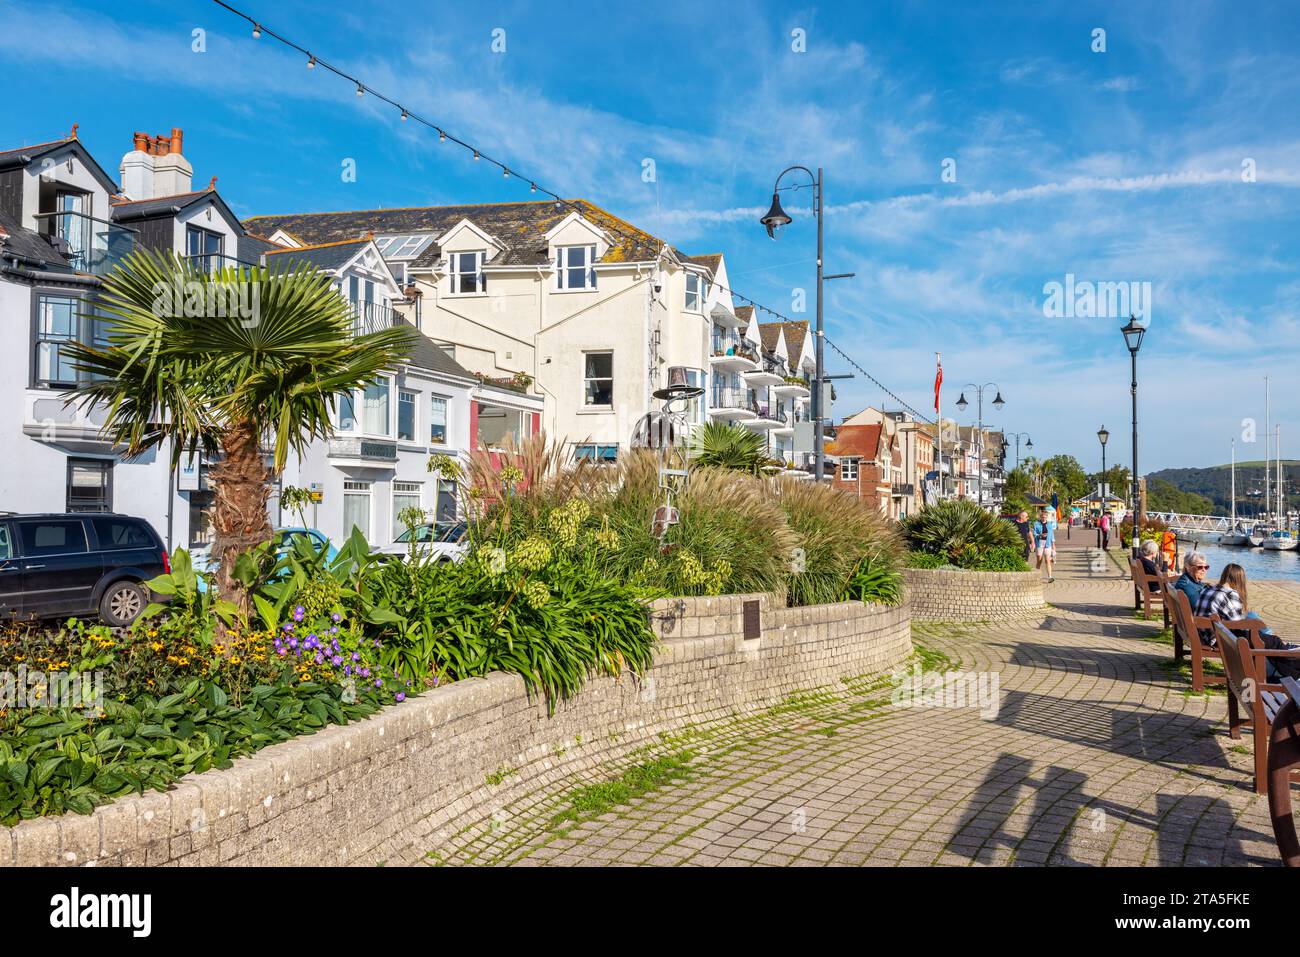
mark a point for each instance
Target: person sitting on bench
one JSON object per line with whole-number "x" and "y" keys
{"x": 1150, "y": 558}
{"x": 1227, "y": 602}
{"x": 1192, "y": 581}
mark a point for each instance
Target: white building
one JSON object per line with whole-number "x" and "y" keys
{"x": 64, "y": 223}
{"x": 580, "y": 307}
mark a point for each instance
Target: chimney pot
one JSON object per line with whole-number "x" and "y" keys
{"x": 177, "y": 136}
{"x": 141, "y": 142}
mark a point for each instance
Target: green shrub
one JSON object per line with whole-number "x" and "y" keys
{"x": 838, "y": 534}
{"x": 1002, "y": 559}
{"x": 959, "y": 531}
{"x": 875, "y": 579}
{"x": 914, "y": 559}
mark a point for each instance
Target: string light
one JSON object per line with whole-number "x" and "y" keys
{"x": 476, "y": 156}
{"x": 636, "y": 237}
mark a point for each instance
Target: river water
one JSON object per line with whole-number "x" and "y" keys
{"x": 1257, "y": 562}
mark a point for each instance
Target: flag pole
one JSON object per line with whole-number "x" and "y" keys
{"x": 938, "y": 418}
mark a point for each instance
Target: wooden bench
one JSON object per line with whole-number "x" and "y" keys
{"x": 1283, "y": 763}
{"x": 1144, "y": 595}
{"x": 1244, "y": 660}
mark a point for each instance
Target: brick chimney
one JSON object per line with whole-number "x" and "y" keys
{"x": 155, "y": 167}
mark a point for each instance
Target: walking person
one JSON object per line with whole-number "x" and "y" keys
{"x": 1026, "y": 533}
{"x": 1104, "y": 525}
{"x": 1045, "y": 542}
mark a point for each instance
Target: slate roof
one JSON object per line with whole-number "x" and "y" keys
{"x": 520, "y": 227}
{"x": 7, "y": 157}
{"x": 250, "y": 248}
{"x": 326, "y": 256}
{"x": 770, "y": 333}
{"x": 795, "y": 333}
{"x": 23, "y": 155}
{"x": 710, "y": 261}
{"x": 129, "y": 210}
{"x": 427, "y": 354}
{"x": 745, "y": 312}
{"x": 27, "y": 243}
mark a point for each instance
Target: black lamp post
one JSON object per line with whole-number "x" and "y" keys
{"x": 1102, "y": 436}
{"x": 1029, "y": 444}
{"x": 776, "y": 220}
{"x": 1133, "y": 333}
{"x": 998, "y": 403}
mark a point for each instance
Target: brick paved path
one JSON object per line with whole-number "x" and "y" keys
{"x": 1097, "y": 755}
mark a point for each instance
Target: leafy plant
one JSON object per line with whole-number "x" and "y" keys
{"x": 188, "y": 600}
{"x": 914, "y": 559}
{"x": 726, "y": 446}
{"x": 218, "y": 379}
{"x": 957, "y": 530}
{"x": 874, "y": 579}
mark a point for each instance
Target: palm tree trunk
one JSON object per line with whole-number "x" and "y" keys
{"x": 241, "y": 482}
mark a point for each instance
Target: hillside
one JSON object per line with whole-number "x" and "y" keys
{"x": 1215, "y": 484}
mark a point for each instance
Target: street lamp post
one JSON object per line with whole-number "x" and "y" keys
{"x": 998, "y": 403}
{"x": 1029, "y": 444}
{"x": 1102, "y": 437}
{"x": 775, "y": 220}
{"x": 1133, "y": 332}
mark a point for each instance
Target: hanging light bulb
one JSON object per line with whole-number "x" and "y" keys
{"x": 257, "y": 31}
{"x": 532, "y": 187}
{"x": 505, "y": 173}
{"x": 311, "y": 62}
{"x": 476, "y": 156}
{"x": 404, "y": 116}
{"x": 361, "y": 90}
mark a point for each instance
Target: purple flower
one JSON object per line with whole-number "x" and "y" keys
{"x": 365, "y": 672}
{"x": 336, "y": 661}
{"x": 289, "y": 626}
{"x": 319, "y": 657}
{"x": 347, "y": 670}
{"x": 299, "y": 612}
{"x": 356, "y": 656}
{"x": 293, "y": 642}
{"x": 281, "y": 651}
{"x": 334, "y": 630}
{"x": 400, "y": 696}
{"x": 336, "y": 617}
{"x": 379, "y": 682}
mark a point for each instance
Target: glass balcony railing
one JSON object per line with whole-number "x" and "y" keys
{"x": 731, "y": 345}
{"x": 211, "y": 263}
{"x": 727, "y": 398}
{"x": 371, "y": 317}
{"x": 90, "y": 245}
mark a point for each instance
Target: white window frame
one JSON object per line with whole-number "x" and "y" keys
{"x": 700, "y": 292}
{"x": 455, "y": 272}
{"x": 415, "y": 415}
{"x": 358, "y": 487}
{"x": 360, "y": 405}
{"x": 586, "y": 379}
{"x": 562, "y": 267}
{"x": 404, "y": 490}
{"x": 446, "y": 418}
{"x": 848, "y": 469}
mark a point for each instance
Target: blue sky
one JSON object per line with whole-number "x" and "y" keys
{"x": 1114, "y": 166}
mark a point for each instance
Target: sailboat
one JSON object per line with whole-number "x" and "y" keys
{"x": 1238, "y": 534}
{"x": 1281, "y": 539}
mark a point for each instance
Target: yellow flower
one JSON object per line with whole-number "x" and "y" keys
{"x": 156, "y": 645}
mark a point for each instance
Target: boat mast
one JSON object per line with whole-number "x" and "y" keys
{"x": 1233, "y": 526}
{"x": 1267, "y": 437}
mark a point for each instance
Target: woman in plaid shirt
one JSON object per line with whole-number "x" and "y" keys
{"x": 1227, "y": 602}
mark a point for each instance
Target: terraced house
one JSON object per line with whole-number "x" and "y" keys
{"x": 65, "y": 223}
{"x": 585, "y": 312}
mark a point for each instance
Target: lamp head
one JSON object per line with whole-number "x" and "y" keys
{"x": 1133, "y": 333}
{"x": 998, "y": 401}
{"x": 961, "y": 402}
{"x": 1103, "y": 435}
{"x": 776, "y": 218}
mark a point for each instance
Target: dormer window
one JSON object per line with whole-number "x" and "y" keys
{"x": 574, "y": 267}
{"x": 697, "y": 290}
{"x": 467, "y": 273}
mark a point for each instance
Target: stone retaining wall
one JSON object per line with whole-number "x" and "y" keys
{"x": 385, "y": 788}
{"x": 956, "y": 595}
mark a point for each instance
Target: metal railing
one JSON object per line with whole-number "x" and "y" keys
{"x": 728, "y": 398}
{"x": 371, "y": 317}
{"x": 90, "y": 245}
{"x": 733, "y": 345}
{"x": 212, "y": 263}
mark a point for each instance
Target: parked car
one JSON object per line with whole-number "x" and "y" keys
{"x": 204, "y": 562}
{"x": 443, "y": 541}
{"x": 78, "y": 563}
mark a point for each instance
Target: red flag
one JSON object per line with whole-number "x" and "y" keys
{"x": 938, "y": 380}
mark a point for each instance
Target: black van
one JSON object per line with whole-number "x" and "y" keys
{"x": 79, "y": 563}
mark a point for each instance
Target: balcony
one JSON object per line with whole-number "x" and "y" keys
{"x": 768, "y": 417}
{"x": 213, "y": 263}
{"x": 771, "y": 373}
{"x": 371, "y": 317}
{"x": 732, "y": 405}
{"x": 903, "y": 489}
{"x": 48, "y": 419}
{"x": 354, "y": 448}
{"x": 91, "y": 245}
{"x": 792, "y": 387}
{"x": 733, "y": 354}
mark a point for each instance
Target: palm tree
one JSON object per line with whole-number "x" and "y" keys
{"x": 726, "y": 446}
{"x": 178, "y": 361}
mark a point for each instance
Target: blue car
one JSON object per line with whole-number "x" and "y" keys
{"x": 203, "y": 561}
